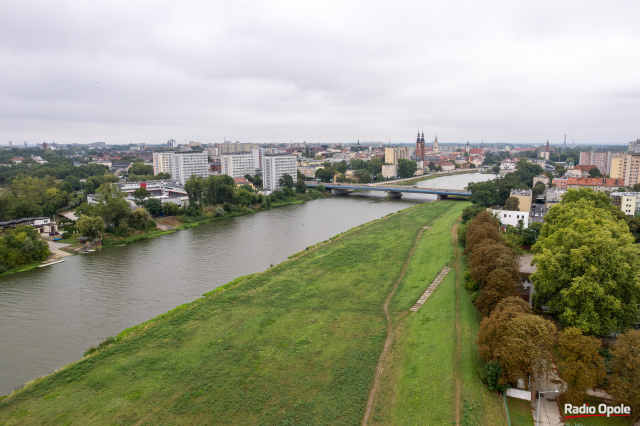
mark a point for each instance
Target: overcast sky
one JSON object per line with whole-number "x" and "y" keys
{"x": 324, "y": 71}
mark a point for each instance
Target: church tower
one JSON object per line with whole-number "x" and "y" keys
{"x": 435, "y": 145}
{"x": 421, "y": 151}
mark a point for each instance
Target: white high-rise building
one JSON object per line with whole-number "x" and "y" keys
{"x": 162, "y": 162}
{"x": 274, "y": 167}
{"x": 188, "y": 163}
{"x": 238, "y": 165}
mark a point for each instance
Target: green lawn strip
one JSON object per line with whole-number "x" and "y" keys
{"x": 433, "y": 252}
{"x": 478, "y": 404}
{"x": 295, "y": 344}
{"x": 598, "y": 421}
{"x": 519, "y": 412}
{"x": 425, "y": 388}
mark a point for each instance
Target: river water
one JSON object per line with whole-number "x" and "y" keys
{"x": 50, "y": 316}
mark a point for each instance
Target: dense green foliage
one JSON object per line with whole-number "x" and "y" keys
{"x": 21, "y": 246}
{"x": 406, "y": 168}
{"x": 588, "y": 266}
{"x": 32, "y": 197}
{"x": 496, "y": 192}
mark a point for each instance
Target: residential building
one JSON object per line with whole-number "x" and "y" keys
{"x": 513, "y": 218}
{"x": 634, "y": 146}
{"x": 597, "y": 184}
{"x": 392, "y": 155}
{"x": 541, "y": 178}
{"x": 120, "y": 167}
{"x": 616, "y": 167}
{"x": 630, "y": 167}
{"x": 274, "y": 167}
{"x": 163, "y": 162}
{"x": 524, "y": 196}
{"x": 581, "y": 170}
{"x": 601, "y": 160}
{"x": 560, "y": 183}
{"x": 389, "y": 171}
{"x": 42, "y": 224}
{"x": 189, "y": 163}
{"x": 628, "y": 202}
{"x": 238, "y": 165}
{"x": 508, "y": 164}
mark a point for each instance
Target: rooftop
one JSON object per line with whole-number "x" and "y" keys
{"x": 524, "y": 264}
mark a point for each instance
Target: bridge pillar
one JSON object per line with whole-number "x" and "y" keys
{"x": 442, "y": 197}
{"x": 394, "y": 194}
{"x": 340, "y": 191}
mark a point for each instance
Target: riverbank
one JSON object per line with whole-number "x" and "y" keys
{"x": 296, "y": 343}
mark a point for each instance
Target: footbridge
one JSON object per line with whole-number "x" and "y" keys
{"x": 393, "y": 190}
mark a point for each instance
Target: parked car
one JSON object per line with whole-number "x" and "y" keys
{"x": 51, "y": 234}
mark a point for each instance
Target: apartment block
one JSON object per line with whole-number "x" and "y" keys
{"x": 602, "y": 160}
{"x": 524, "y": 196}
{"x": 628, "y": 202}
{"x": 189, "y": 163}
{"x": 392, "y": 155}
{"x": 238, "y": 165}
{"x": 162, "y": 162}
{"x": 274, "y": 167}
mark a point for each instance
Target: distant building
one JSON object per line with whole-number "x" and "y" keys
{"x": 276, "y": 166}
{"x": 581, "y": 170}
{"x": 42, "y": 224}
{"x": 389, "y": 171}
{"x": 392, "y": 155}
{"x": 238, "y": 165}
{"x": 421, "y": 150}
{"x": 597, "y": 184}
{"x": 513, "y": 218}
{"x": 524, "y": 196}
{"x": 120, "y": 167}
{"x": 601, "y": 160}
{"x": 189, "y": 163}
{"x": 627, "y": 202}
{"x": 163, "y": 162}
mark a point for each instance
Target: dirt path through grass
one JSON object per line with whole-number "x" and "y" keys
{"x": 390, "y": 325}
{"x": 455, "y": 264}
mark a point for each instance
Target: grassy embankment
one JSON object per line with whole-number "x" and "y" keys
{"x": 431, "y": 374}
{"x": 297, "y": 343}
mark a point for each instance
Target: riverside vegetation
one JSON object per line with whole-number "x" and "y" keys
{"x": 297, "y": 343}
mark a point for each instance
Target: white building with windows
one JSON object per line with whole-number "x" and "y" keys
{"x": 628, "y": 202}
{"x": 162, "y": 162}
{"x": 274, "y": 167}
{"x": 189, "y": 163}
{"x": 511, "y": 217}
{"x": 238, "y": 165}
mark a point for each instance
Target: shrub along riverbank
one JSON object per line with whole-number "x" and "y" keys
{"x": 297, "y": 343}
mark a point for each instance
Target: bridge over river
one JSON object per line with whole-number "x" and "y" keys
{"x": 393, "y": 190}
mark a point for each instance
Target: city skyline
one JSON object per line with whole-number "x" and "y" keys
{"x": 329, "y": 72}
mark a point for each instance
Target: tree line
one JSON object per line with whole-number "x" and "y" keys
{"x": 588, "y": 276}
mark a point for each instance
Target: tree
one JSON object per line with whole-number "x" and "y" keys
{"x": 499, "y": 284}
{"x": 406, "y": 168}
{"x": 588, "y": 268}
{"x": 90, "y": 226}
{"x": 471, "y": 212}
{"x": 594, "y": 172}
{"x": 194, "y": 186}
{"x": 286, "y": 181}
{"x": 363, "y": 175}
{"x": 112, "y": 206}
{"x": 170, "y": 209}
{"x": 257, "y": 180}
{"x": 625, "y": 370}
{"x": 489, "y": 256}
{"x": 21, "y": 246}
{"x": 581, "y": 366}
{"x": 139, "y": 219}
{"x": 153, "y": 206}
{"x": 512, "y": 203}
{"x": 140, "y": 194}
{"x": 538, "y": 189}
{"x": 519, "y": 340}
{"x": 139, "y": 168}
{"x": 324, "y": 174}
{"x": 301, "y": 187}
{"x": 342, "y": 166}
{"x": 484, "y": 193}
{"x": 375, "y": 166}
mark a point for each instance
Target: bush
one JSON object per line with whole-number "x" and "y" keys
{"x": 219, "y": 212}
{"x": 490, "y": 374}
{"x": 227, "y": 207}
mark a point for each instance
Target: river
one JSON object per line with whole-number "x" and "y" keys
{"x": 51, "y": 315}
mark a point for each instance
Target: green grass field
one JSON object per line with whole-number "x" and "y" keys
{"x": 419, "y": 384}
{"x": 520, "y": 412}
{"x": 295, "y": 344}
